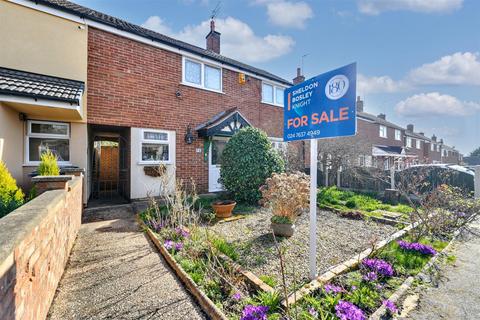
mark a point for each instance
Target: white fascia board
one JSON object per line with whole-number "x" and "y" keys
{"x": 138, "y": 38}
{"x": 39, "y": 102}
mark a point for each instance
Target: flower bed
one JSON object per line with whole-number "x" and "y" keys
{"x": 349, "y": 202}
{"x": 357, "y": 294}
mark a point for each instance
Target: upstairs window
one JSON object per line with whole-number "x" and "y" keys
{"x": 47, "y": 135}
{"x": 383, "y": 131}
{"x": 398, "y": 135}
{"x": 432, "y": 147}
{"x": 272, "y": 94}
{"x": 201, "y": 75}
{"x": 409, "y": 142}
{"x": 419, "y": 144}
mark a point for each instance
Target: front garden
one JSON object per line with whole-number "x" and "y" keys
{"x": 254, "y": 264}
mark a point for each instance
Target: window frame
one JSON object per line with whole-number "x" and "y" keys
{"x": 380, "y": 127}
{"x": 274, "y": 93}
{"x": 29, "y": 134}
{"x": 202, "y": 75}
{"x": 408, "y": 142}
{"x": 399, "y": 134}
{"x": 167, "y": 142}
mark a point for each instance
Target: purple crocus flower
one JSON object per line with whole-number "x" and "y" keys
{"x": 178, "y": 246}
{"x": 345, "y": 310}
{"x": 330, "y": 288}
{"x": 156, "y": 226}
{"x": 370, "y": 276}
{"x": 254, "y": 313}
{"x": 418, "y": 247}
{"x": 313, "y": 312}
{"x": 237, "y": 296}
{"x": 168, "y": 244}
{"x": 353, "y": 288}
{"x": 390, "y": 306}
{"x": 182, "y": 232}
{"x": 380, "y": 267}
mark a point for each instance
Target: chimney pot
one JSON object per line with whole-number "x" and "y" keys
{"x": 382, "y": 116}
{"x": 213, "y": 39}
{"x": 359, "y": 104}
{"x": 410, "y": 127}
{"x": 299, "y": 78}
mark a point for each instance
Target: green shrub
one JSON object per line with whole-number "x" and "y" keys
{"x": 247, "y": 161}
{"x": 48, "y": 164}
{"x": 351, "y": 204}
{"x": 11, "y": 196}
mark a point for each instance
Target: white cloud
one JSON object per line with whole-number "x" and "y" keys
{"x": 435, "y": 104}
{"x": 289, "y": 14}
{"x": 238, "y": 39}
{"x": 375, "y": 7}
{"x": 458, "y": 68}
{"x": 380, "y": 84}
{"x": 157, "y": 24}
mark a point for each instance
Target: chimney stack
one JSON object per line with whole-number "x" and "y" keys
{"x": 213, "y": 39}
{"x": 299, "y": 78}
{"x": 359, "y": 104}
{"x": 421, "y": 133}
{"x": 382, "y": 116}
{"x": 410, "y": 127}
{"x": 434, "y": 138}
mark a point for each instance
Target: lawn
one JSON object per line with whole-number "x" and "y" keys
{"x": 346, "y": 201}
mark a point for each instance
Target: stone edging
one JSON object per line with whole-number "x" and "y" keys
{"x": 205, "y": 303}
{"x": 342, "y": 268}
{"x": 400, "y": 292}
{"x": 364, "y": 217}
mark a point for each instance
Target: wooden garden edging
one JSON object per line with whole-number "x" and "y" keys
{"x": 344, "y": 214}
{"x": 205, "y": 303}
{"x": 342, "y": 268}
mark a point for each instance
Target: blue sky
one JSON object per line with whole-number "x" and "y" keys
{"x": 418, "y": 60}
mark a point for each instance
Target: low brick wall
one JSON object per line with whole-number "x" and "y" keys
{"x": 35, "y": 243}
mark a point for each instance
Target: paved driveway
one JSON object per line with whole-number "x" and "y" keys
{"x": 458, "y": 294}
{"x": 114, "y": 272}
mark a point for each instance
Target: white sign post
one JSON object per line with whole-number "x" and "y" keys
{"x": 313, "y": 209}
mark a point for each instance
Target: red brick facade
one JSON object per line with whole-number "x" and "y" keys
{"x": 134, "y": 85}
{"x": 44, "y": 233}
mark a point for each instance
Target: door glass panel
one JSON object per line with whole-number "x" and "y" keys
{"x": 217, "y": 149}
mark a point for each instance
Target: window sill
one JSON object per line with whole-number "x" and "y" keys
{"x": 200, "y": 87}
{"x": 272, "y": 104}
{"x": 152, "y": 163}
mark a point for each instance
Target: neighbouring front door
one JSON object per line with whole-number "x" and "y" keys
{"x": 214, "y": 158}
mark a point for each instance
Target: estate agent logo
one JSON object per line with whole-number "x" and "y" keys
{"x": 336, "y": 87}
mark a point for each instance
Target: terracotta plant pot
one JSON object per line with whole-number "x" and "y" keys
{"x": 223, "y": 209}
{"x": 283, "y": 229}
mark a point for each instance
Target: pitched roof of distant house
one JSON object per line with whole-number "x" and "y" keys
{"x": 416, "y": 135}
{"x": 34, "y": 85}
{"x": 375, "y": 119}
{"x": 86, "y": 13}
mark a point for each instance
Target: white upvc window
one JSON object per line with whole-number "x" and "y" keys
{"x": 432, "y": 147}
{"x": 279, "y": 145}
{"x": 47, "y": 135}
{"x": 398, "y": 135}
{"x": 419, "y": 144}
{"x": 438, "y": 148}
{"x": 383, "y": 131}
{"x": 156, "y": 147}
{"x": 201, "y": 75}
{"x": 409, "y": 142}
{"x": 272, "y": 94}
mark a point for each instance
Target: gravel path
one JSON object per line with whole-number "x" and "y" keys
{"x": 338, "y": 240}
{"x": 114, "y": 272}
{"x": 458, "y": 294}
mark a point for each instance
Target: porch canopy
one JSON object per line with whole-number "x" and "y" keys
{"x": 225, "y": 123}
{"x": 389, "y": 151}
{"x": 36, "y": 94}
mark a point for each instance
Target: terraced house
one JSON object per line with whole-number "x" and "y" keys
{"x": 119, "y": 100}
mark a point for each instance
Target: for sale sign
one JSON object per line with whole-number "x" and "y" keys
{"x": 322, "y": 107}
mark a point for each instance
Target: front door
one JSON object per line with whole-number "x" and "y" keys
{"x": 214, "y": 158}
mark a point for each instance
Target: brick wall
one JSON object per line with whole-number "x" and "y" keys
{"x": 35, "y": 243}
{"x": 133, "y": 84}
